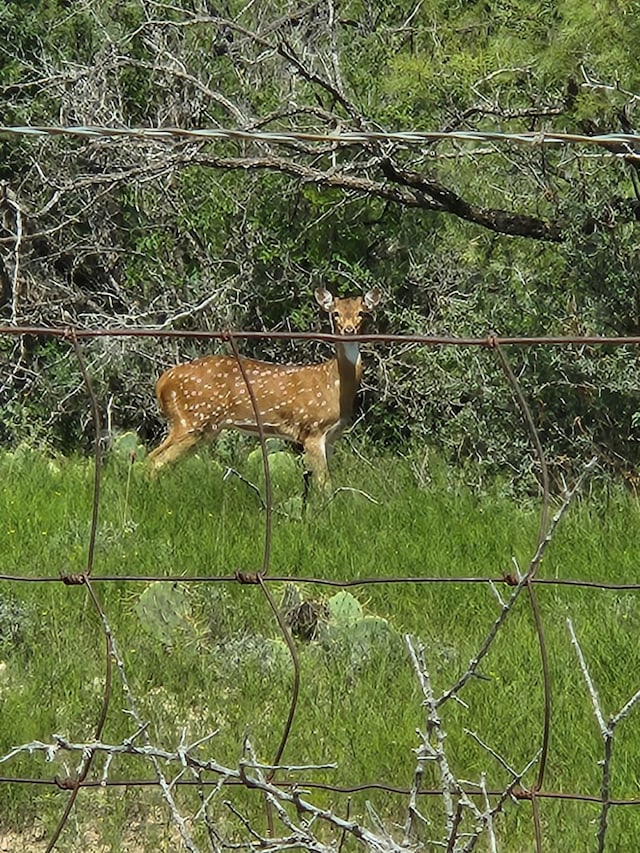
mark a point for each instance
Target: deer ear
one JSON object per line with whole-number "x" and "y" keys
{"x": 324, "y": 298}
{"x": 372, "y": 299}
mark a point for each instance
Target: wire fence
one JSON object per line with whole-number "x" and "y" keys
{"x": 294, "y": 819}
{"x": 622, "y": 144}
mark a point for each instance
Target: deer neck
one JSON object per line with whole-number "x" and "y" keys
{"x": 349, "y": 374}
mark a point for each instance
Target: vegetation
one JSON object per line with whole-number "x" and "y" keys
{"x": 153, "y": 223}
{"x": 204, "y": 657}
{"x": 465, "y": 237}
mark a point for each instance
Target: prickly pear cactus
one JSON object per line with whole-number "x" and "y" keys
{"x": 165, "y": 613}
{"x": 128, "y": 447}
{"x": 344, "y": 610}
{"x": 349, "y": 632}
{"x": 284, "y": 470}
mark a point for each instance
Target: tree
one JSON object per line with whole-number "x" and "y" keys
{"x": 191, "y": 231}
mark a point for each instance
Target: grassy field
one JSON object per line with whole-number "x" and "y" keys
{"x": 208, "y": 657}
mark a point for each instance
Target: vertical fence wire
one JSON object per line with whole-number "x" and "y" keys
{"x": 75, "y": 783}
{"x": 533, "y": 601}
{"x": 264, "y": 570}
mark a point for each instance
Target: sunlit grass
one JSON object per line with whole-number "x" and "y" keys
{"x": 222, "y": 667}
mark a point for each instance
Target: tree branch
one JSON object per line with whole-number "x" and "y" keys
{"x": 495, "y": 219}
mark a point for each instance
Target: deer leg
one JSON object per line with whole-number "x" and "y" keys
{"x": 174, "y": 446}
{"x": 332, "y": 436}
{"x": 316, "y": 459}
{"x": 306, "y": 488}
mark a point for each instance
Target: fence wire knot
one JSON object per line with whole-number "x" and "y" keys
{"x": 66, "y": 783}
{"x": 247, "y": 577}
{"x": 73, "y": 578}
{"x": 520, "y": 793}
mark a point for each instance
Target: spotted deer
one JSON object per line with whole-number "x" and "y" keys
{"x": 307, "y": 404}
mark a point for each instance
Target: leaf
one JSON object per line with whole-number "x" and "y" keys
{"x": 344, "y": 609}
{"x": 127, "y": 446}
{"x": 164, "y": 611}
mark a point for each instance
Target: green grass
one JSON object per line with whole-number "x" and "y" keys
{"x": 209, "y": 656}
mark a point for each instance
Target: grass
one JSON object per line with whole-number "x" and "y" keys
{"x": 209, "y": 656}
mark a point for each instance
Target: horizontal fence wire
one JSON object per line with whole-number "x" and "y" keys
{"x": 507, "y": 580}
{"x": 520, "y": 795}
{"x": 265, "y": 779}
{"x": 490, "y": 341}
{"x": 624, "y": 143}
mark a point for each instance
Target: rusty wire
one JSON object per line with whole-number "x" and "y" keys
{"x": 489, "y": 341}
{"x": 260, "y": 577}
{"x": 263, "y": 578}
{"x": 520, "y": 794}
{"x": 506, "y": 579}
{"x": 533, "y": 601}
{"x": 268, "y": 499}
{"x": 74, "y": 784}
{"x": 97, "y": 452}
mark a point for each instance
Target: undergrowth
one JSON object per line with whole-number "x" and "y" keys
{"x": 207, "y": 656}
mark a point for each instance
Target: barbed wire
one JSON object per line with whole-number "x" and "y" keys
{"x": 475, "y": 803}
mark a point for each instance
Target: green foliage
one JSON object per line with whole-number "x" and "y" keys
{"x": 15, "y": 621}
{"x": 164, "y": 611}
{"x": 177, "y": 242}
{"x": 209, "y": 656}
{"x": 596, "y": 35}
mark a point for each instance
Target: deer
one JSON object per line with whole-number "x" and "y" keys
{"x": 309, "y": 405}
